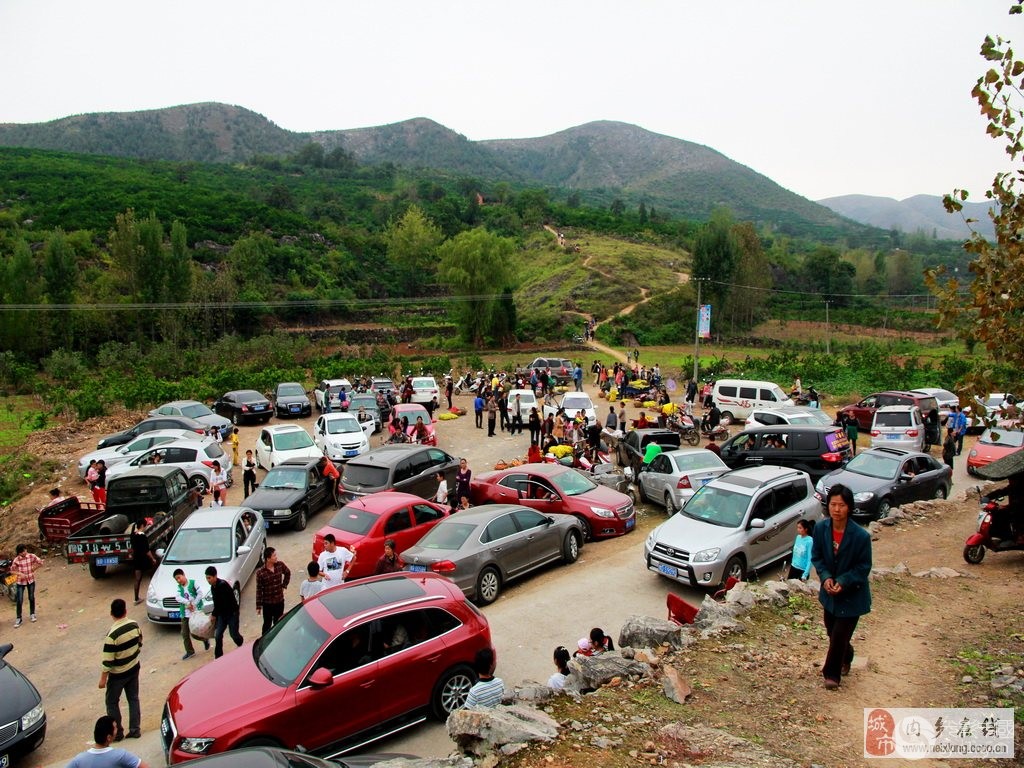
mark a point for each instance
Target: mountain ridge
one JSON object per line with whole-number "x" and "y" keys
{"x": 918, "y": 213}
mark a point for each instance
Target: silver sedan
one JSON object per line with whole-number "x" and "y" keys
{"x": 674, "y": 476}
{"x": 483, "y": 547}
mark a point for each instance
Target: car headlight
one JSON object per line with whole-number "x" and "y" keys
{"x": 32, "y": 717}
{"x": 972, "y": 454}
{"x": 862, "y": 497}
{"x": 705, "y": 555}
{"x": 602, "y": 512}
{"x": 282, "y": 512}
{"x": 652, "y": 539}
{"x": 196, "y": 746}
{"x": 151, "y": 594}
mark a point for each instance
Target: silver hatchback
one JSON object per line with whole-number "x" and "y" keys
{"x": 673, "y": 477}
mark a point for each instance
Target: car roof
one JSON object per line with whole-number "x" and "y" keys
{"x": 278, "y": 428}
{"x": 378, "y": 503}
{"x": 409, "y": 407}
{"x": 245, "y": 393}
{"x": 352, "y": 601}
{"x": 547, "y": 470}
{"x": 184, "y": 419}
{"x": 299, "y": 463}
{"x": 387, "y": 455}
{"x": 483, "y": 513}
{"x": 896, "y": 453}
{"x": 214, "y": 517}
{"x": 337, "y": 382}
{"x": 786, "y": 410}
{"x": 786, "y": 428}
{"x": 333, "y": 416}
{"x": 752, "y": 478}
{"x": 162, "y": 470}
{"x": 897, "y": 408}
{"x": 178, "y": 434}
{"x": 189, "y": 443}
{"x": 180, "y": 403}
{"x": 424, "y": 378}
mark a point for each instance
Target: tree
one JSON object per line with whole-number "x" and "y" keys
{"x": 642, "y": 213}
{"x": 715, "y": 254}
{"x": 746, "y": 307}
{"x": 991, "y": 308}
{"x": 828, "y": 274}
{"x": 60, "y": 268}
{"x": 412, "y": 248}
{"x": 477, "y": 265}
{"x": 20, "y": 283}
{"x": 617, "y": 207}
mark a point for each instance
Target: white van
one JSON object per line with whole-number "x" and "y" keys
{"x": 527, "y": 400}
{"x": 737, "y": 397}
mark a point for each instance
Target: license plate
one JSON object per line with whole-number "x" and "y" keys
{"x": 668, "y": 570}
{"x": 892, "y": 437}
{"x": 705, "y": 480}
{"x": 630, "y": 523}
{"x": 174, "y": 614}
{"x": 5, "y": 760}
{"x": 417, "y": 568}
{"x": 350, "y": 453}
{"x": 293, "y": 408}
{"x": 107, "y": 560}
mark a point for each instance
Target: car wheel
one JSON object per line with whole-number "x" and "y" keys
{"x": 640, "y": 491}
{"x": 451, "y": 691}
{"x": 237, "y": 592}
{"x": 974, "y": 554}
{"x": 488, "y": 586}
{"x": 726, "y": 418}
{"x": 302, "y": 518}
{"x": 199, "y": 482}
{"x": 884, "y": 508}
{"x": 97, "y": 571}
{"x": 692, "y": 436}
{"x": 736, "y": 568}
{"x": 571, "y": 547}
{"x": 670, "y": 505}
{"x": 234, "y": 418}
{"x": 940, "y": 492}
{"x": 588, "y": 534}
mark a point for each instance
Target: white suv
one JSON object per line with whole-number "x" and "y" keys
{"x": 898, "y": 426}
{"x": 736, "y": 524}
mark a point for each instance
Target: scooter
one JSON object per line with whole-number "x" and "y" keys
{"x": 683, "y": 424}
{"x": 1000, "y": 529}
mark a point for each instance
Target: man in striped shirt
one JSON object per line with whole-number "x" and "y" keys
{"x": 488, "y": 689}
{"x": 121, "y": 649}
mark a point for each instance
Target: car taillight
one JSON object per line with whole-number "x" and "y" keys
{"x": 443, "y": 566}
{"x": 875, "y": 433}
{"x": 208, "y": 464}
{"x": 832, "y": 457}
{"x": 201, "y": 431}
{"x": 991, "y": 506}
{"x": 912, "y": 433}
{"x": 245, "y": 408}
{"x": 684, "y": 483}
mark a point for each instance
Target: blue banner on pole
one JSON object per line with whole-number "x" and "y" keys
{"x": 704, "y": 321}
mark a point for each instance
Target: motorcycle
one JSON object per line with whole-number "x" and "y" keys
{"x": 464, "y": 384}
{"x": 683, "y": 424}
{"x": 1000, "y": 529}
{"x": 7, "y": 580}
{"x": 719, "y": 432}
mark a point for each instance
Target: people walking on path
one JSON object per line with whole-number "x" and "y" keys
{"x": 120, "y": 670}
{"x": 225, "y": 612}
{"x": 272, "y": 580}
{"x": 24, "y": 567}
{"x": 189, "y": 596}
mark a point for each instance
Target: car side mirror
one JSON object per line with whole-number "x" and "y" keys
{"x": 244, "y": 549}
{"x": 160, "y": 552}
{"x": 321, "y": 678}
{"x": 550, "y": 521}
{"x": 757, "y": 522}
{"x": 906, "y": 477}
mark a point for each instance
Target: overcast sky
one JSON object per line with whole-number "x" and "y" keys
{"x": 824, "y": 97}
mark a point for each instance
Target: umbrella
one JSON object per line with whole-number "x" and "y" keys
{"x": 1000, "y": 469}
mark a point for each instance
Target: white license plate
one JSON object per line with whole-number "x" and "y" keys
{"x": 668, "y": 570}
{"x": 630, "y": 523}
{"x": 107, "y": 561}
{"x": 417, "y": 568}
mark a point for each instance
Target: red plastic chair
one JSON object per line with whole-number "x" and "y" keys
{"x": 680, "y": 611}
{"x": 730, "y": 582}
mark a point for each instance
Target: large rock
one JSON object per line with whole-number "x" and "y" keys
{"x": 714, "y": 618}
{"x": 484, "y": 731}
{"x": 674, "y": 686}
{"x": 741, "y": 595}
{"x": 647, "y": 632}
{"x": 719, "y": 749}
{"x": 589, "y": 672}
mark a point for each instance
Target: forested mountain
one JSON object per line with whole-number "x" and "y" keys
{"x": 920, "y": 213}
{"x": 602, "y": 162}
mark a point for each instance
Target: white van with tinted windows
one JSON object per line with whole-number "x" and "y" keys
{"x": 736, "y": 398}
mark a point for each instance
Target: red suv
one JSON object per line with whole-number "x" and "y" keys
{"x": 864, "y": 411}
{"x": 355, "y": 663}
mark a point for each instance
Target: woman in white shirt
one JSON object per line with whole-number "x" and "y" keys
{"x": 441, "y": 497}
{"x": 561, "y": 659}
{"x": 219, "y": 482}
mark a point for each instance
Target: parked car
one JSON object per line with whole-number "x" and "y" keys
{"x": 557, "y": 367}
{"x": 631, "y": 448}
{"x": 557, "y": 489}
{"x": 193, "y": 409}
{"x": 993, "y": 444}
{"x": 816, "y": 450}
{"x": 217, "y": 536}
{"x": 736, "y": 397}
{"x": 573, "y": 402}
{"x": 864, "y": 411}
{"x": 151, "y": 424}
{"x": 425, "y": 389}
{"x": 283, "y": 442}
{"x": 290, "y": 399}
{"x": 674, "y": 476}
{"x": 331, "y": 389}
{"x": 244, "y": 405}
{"x": 274, "y": 757}
{"x": 413, "y": 411}
{"x": 789, "y": 414}
{"x": 883, "y": 478}
{"x": 401, "y": 467}
{"x": 119, "y": 454}
{"x": 351, "y": 664}
{"x": 943, "y": 397}
{"x": 364, "y": 523}
{"x": 484, "y": 548}
{"x": 21, "y": 712}
{"x": 527, "y": 401}
{"x": 290, "y": 493}
{"x": 733, "y": 526}
{"x": 195, "y": 457}
{"x": 381, "y": 384}
{"x": 368, "y": 402}
{"x": 898, "y": 426}
{"x": 341, "y": 436}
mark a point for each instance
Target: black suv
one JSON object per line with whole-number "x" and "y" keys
{"x": 630, "y": 449}
{"x": 817, "y": 450}
{"x": 406, "y": 468}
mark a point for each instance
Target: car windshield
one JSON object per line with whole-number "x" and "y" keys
{"x": 200, "y": 545}
{"x": 572, "y": 483}
{"x": 291, "y": 478}
{"x": 717, "y": 506}
{"x": 341, "y": 426}
{"x": 292, "y": 440}
{"x": 413, "y": 413}
{"x": 874, "y": 465}
{"x": 363, "y": 401}
{"x": 383, "y": 384}
{"x": 196, "y": 411}
{"x": 353, "y": 520}
{"x": 365, "y": 475}
{"x": 284, "y": 652}
{"x": 447, "y": 535}
{"x": 1005, "y": 438}
{"x": 573, "y": 403}
{"x": 819, "y": 417}
{"x": 291, "y": 390}
{"x": 697, "y": 460}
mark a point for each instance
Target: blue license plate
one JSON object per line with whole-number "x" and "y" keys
{"x": 351, "y": 453}
{"x": 892, "y": 437}
{"x": 417, "y": 568}
{"x": 294, "y": 408}
{"x": 668, "y": 570}
{"x": 630, "y": 523}
{"x": 5, "y": 761}
{"x": 107, "y": 560}
{"x": 174, "y": 614}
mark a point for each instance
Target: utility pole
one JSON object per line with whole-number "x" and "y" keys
{"x": 696, "y": 336}
{"x": 828, "y": 332}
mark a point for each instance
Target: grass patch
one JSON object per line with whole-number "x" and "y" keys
{"x": 988, "y": 658}
{"x": 19, "y": 416}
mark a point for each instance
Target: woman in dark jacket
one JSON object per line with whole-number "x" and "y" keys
{"x": 841, "y": 554}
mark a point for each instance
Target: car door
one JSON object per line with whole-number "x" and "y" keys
{"x": 509, "y": 546}
{"x": 510, "y": 489}
{"x": 761, "y": 542}
{"x": 545, "y": 543}
{"x": 657, "y": 477}
{"x": 864, "y": 412}
{"x": 245, "y": 562}
{"x": 540, "y": 494}
{"x": 930, "y": 475}
{"x": 397, "y": 525}
{"x": 735, "y": 451}
{"x": 789, "y": 507}
{"x": 264, "y": 449}
{"x": 317, "y": 491}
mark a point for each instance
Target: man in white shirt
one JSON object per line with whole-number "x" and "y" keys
{"x": 101, "y": 754}
{"x": 335, "y": 562}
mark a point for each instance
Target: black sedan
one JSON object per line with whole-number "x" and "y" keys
{"x": 21, "y": 712}
{"x": 151, "y": 424}
{"x": 290, "y": 493}
{"x": 290, "y": 399}
{"x": 243, "y": 405}
{"x": 883, "y": 478}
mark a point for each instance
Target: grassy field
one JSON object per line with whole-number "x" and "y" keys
{"x": 19, "y": 415}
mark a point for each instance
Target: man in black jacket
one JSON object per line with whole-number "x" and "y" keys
{"x": 225, "y": 611}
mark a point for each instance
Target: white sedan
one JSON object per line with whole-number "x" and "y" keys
{"x": 282, "y": 442}
{"x": 673, "y": 477}
{"x": 118, "y": 454}
{"x": 231, "y": 539}
{"x": 573, "y": 402}
{"x": 341, "y": 436}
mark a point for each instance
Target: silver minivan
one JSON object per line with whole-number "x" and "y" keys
{"x": 898, "y": 426}
{"x": 736, "y": 524}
